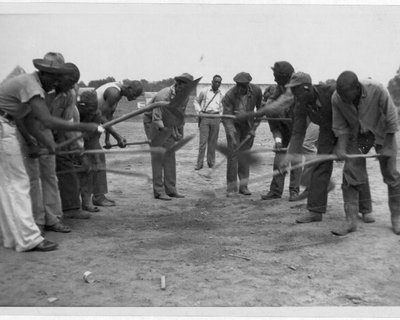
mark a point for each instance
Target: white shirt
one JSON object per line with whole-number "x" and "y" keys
{"x": 204, "y": 98}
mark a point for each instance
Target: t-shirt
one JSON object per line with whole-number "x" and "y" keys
{"x": 16, "y": 93}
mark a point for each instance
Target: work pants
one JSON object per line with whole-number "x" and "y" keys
{"x": 17, "y": 224}
{"x": 44, "y": 191}
{"x": 209, "y": 130}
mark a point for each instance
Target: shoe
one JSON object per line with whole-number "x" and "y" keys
{"x": 76, "y": 214}
{"x": 245, "y": 191}
{"x": 231, "y": 194}
{"x": 90, "y": 208}
{"x": 198, "y": 168}
{"x": 175, "y": 195}
{"x": 344, "y": 229}
{"x": 162, "y": 197}
{"x": 310, "y": 217}
{"x": 368, "y": 217}
{"x": 270, "y": 196}
{"x": 396, "y": 224}
{"x": 293, "y": 195}
{"x": 301, "y": 196}
{"x": 58, "y": 227}
{"x": 210, "y": 165}
{"x": 45, "y": 245}
{"x": 104, "y": 202}
{"x": 41, "y": 228}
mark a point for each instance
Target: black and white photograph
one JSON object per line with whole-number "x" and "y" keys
{"x": 199, "y": 158}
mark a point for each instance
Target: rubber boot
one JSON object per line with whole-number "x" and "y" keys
{"x": 351, "y": 222}
{"x": 350, "y": 199}
{"x": 395, "y": 223}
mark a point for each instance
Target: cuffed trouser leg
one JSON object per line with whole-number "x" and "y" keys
{"x": 16, "y": 219}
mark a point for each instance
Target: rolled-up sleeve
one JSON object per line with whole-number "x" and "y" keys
{"x": 339, "y": 123}
{"x": 389, "y": 110}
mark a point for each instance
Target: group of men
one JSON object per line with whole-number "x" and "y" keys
{"x": 41, "y": 113}
{"x": 45, "y": 178}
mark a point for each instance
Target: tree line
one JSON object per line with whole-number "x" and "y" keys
{"x": 155, "y": 86}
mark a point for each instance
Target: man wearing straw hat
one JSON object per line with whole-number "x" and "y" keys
{"x": 19, "y": 97}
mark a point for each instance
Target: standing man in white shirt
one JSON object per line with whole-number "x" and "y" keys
{"x": 208, "y": 101}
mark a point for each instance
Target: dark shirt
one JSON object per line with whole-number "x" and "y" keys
{"x": 320, "y": 113}
{"x": 232, "y": 103}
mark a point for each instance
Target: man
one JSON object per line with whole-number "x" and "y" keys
{"x": 108, "y": 96}
{"x": 314, "y": 101}
{"x": 240, "y": 99}
{"x": 209, "y": 102}
{"x": 19, "y": 97}
{"x": 283, "y": 98}
{"x": 364, "y": 108}
{"x": 44, "y": 191}
{"x": 161, "y": 121}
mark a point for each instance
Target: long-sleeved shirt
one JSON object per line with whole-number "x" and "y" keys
{"x": 375, "y": 112}
{"x": 284, "y": 102}
{"x": 202, "y": 101}
{"x": 320, "y": 113}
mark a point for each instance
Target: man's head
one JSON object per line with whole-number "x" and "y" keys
{"x": 301, "y": 85}
{"x": 242, "y": 80}
{"x": 133, "y": 89}
{"x": 54, "y": 72}
{"x": 216, "y": 82}
{"x": 348, "y": 87}
{"x": 87, "y": 103}
{"x": 283, "y": 70}
{"x": 182, "y": 80}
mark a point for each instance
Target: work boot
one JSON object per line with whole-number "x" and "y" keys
{"x": 245, "y": 191}
{"x": 101, "y": 201}
{"x": 310, "y": 217}
{"x": 76, "y": 214}
{"x": 301, "y": 196}
{"x": 270, "y": 196}
{"x": 396, "y": 224}
{"x": 368, "y": 217}
{"x": 350, "y": 225}
{"x": 293, "y": 195}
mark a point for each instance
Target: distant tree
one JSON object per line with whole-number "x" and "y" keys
{"x": 97, "y": 83}
{"x": 329, "y": 82}
{"x": 81, "y": 84}
{"x": 394, "y": 88}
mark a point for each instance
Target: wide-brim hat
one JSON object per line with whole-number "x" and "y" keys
{"x": 184, "y": 77}
{"x": 53, "y": 67}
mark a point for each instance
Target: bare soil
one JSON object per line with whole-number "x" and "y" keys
{"x": 213, "y": 251}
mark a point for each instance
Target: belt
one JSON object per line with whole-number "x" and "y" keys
{"x": 6, "y": 115}
{"x": 211, "y": 112}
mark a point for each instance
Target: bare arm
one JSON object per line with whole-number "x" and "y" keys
{"x": 41, "y": 112}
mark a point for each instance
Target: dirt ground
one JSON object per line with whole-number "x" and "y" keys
{"x": 213, "y": 251}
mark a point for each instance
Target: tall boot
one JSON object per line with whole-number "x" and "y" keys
{"x": 395, "y": 223}
{"x": 351, "y": 221}
{"x": 350, "y": 199}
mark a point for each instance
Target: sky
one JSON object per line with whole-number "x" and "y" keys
{"x": 161, "y": 40}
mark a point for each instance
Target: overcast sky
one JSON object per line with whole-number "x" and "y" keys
{"x": 158, "y": 41}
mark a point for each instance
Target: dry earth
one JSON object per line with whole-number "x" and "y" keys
{"x": 213, "y": 251}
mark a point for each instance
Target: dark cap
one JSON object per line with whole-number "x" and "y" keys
{"x": 283, "y": 67}
{"x": 242, "y": 77}
{"x": 298, "y": 79}
{"x": 184, "y": 77}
